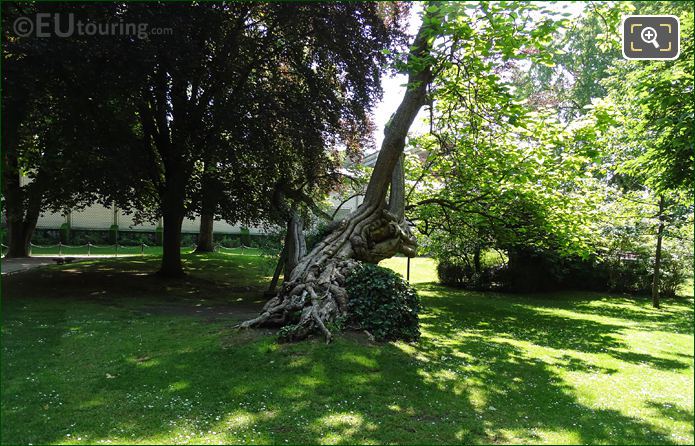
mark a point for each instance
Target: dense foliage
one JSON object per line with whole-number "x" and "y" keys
{"x": 545, "y": 163}
{"x": 249, "y": 111}
{"x": 539, "y": 270}
{"x": 237, "y": 110}
{"x": 382, "y": 303}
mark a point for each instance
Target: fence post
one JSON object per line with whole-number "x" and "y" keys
{"x": 89, "y": 249}
{"x": 142, "y": 249}
{"x": 60, "y": 249}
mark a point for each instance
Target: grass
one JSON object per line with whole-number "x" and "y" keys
{"x": 86, "y": 359}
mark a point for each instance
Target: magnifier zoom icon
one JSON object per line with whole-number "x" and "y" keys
{"x": 649, "y": 35}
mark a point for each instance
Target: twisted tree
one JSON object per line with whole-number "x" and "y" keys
{"x": 375, "y": 231}
{"x": 461, "y": 50}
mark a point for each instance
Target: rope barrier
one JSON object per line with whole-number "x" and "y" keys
{"x": 220, "y": 248}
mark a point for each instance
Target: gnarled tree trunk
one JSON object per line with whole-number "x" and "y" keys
{"x": 314, "y": 294}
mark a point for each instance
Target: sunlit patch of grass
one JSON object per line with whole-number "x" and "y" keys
{"x": 114, "y": 368}
{"x": 422, "y": 269}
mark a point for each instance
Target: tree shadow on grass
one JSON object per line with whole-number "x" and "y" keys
{"x": 96, "y": 372}
{"x": 154, "y": 379}
{"x": 559, "y": 323}
{"x": 217, "y": 278}
{"x": 673, "y": 412}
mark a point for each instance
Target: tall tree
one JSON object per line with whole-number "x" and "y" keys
{"x": 40, "y": 86}
{"x": 652, "y": 144}
{"x": 377, "y": 229}
{"x": 237, "y": 98}
{"x": 371, "y": 233}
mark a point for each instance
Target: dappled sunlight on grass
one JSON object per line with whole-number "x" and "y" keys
{"x": 342, "y": 427}
{"x": 151, "y": 362}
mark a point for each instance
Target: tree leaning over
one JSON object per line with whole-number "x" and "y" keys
{"x": 373, "y": 232}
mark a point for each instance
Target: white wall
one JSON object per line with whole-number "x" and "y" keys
{"x": 93, "y": 217}
{"x": 99, "y": 217}
{"x": 126, "y": 223}
{"x": 50, "y": 220}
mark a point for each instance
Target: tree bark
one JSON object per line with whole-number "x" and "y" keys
{"x": 295, "y": 243}
{"x": 172, "y": 214}
{"x": 207, "y": 212}
{"x": 657, "y": 255}
{"x": 205, "y": 237}
{"x": 476, "y": 260}
{"x": 22, "y": 204}
{"x": 314, "y": 294}
{"x": 272, "y": 288}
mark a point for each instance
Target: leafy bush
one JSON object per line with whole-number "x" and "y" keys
{"x": 45, "y": 237}
{"x": 188, "y": 239}
{"x": 384, "y": 304}
{"x": 674, "y": 272}
{"x": 133, "y": 238}
{"x": 83, "y": 237}
{"x": 463, "y": 276}
{"x": 545, "y": 270}
{"x": 229, "y": 241}
{"x": 453, "y": 274}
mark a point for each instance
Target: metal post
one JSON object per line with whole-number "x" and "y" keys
{"x": 407, "y": 274}
{"x": 142, "y": 249}
{"x": 89, "y": 249}
{"x": 60, "y": 249}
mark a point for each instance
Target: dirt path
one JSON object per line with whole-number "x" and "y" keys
{"x": 10, "y": 266}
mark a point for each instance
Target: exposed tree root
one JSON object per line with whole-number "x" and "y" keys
{"x": 315, "y": 296}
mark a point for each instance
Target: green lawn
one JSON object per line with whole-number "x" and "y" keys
{"x": 103, "y": 352}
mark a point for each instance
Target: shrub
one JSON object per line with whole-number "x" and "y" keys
{"x": 188, "y": 239}
{"x": 463, "y": 276}
{"x": 229, "y": 241}
{"x": 85, "y": 236}
{"x": 673, "y": 274}
{"x": 632, "y": 275}
{"x": 132, "y": 238}
{"x": 384, "y": 304}
{"x": 453, "y": 274}
{"x": 45, "y": 237}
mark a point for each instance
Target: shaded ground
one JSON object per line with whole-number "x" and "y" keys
{"x": 106, "y": 352}
{"x": 10, "y": 266}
